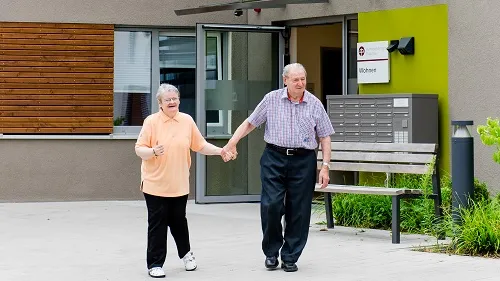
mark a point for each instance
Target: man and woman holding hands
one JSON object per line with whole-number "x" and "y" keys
{"x": 294, "y": 120}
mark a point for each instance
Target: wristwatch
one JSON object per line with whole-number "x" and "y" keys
{"x": 326, "y": 164}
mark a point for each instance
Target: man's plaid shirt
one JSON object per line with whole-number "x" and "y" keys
{"x": 289, "y": 124}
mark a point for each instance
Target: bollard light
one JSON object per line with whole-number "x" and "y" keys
{"x": 462, "y": 167}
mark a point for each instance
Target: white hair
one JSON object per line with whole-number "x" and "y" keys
{"x": 164, "y": 88}
{"x": 293, "y": 66}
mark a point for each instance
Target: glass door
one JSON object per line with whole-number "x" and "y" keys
{"x": 236, "y": 66}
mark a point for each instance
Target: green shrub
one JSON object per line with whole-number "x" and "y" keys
{"x": 371, "y": 211}
{"x": 481, "y": 192}
{"x": 479, "y": 230}
{"x": 490, "y": 135}
{"x": 119, "y": 121}
{"x": 417, "y": 215}
{"x": 362, "y": 210}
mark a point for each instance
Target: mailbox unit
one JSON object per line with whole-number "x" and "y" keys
{"x": 399, "y": 118}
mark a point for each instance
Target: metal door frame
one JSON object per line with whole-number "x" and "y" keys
{"x": 201, "y": 32}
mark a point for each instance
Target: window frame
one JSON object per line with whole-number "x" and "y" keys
{"x": 133, "y": 131}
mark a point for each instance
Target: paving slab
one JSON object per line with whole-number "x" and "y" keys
{"x": 106, "y": 240}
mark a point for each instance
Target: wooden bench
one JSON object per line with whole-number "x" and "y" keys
{"x": 409, "y": 158}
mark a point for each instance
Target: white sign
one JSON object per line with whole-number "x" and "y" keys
{"x": 373, "y": 62}
{"x": 400, "y": 102}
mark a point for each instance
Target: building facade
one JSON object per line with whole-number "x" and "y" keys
{"x": 78, "y": 78}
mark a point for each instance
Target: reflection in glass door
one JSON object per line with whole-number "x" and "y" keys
{"x": 250, "y": 63}
{"x": 178, "y": 65}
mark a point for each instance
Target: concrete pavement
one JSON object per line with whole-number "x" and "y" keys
{"x": 106, "y": 240}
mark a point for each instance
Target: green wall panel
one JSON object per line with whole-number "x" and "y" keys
{"x": 424, "y": 72}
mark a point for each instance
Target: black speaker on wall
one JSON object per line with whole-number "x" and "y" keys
{"x": 407, "y": 46}
{"x": 393, "y": 46}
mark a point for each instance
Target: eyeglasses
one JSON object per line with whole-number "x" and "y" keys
{"x": 170, "y": 99}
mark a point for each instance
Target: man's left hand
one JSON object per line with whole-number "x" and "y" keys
{"x": 324, "y": 177}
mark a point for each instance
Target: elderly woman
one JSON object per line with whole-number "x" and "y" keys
{"x": 164, "y": 146}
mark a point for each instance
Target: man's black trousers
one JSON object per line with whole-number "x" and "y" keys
{"x": 288, "y": 183}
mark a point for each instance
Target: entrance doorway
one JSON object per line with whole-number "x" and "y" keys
{"x": 331, "y": 72}
{"x": 319, "y": 49}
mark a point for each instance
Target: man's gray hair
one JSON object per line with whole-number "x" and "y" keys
{"x": 164, "y": 88}
{"x": 293, "y": 66}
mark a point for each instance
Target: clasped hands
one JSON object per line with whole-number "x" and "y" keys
{"x": 229, "y": 152}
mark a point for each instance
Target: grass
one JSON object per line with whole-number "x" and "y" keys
{"x": 476, "y": 234}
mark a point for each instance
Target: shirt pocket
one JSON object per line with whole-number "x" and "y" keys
{"x": 307, "y": 129}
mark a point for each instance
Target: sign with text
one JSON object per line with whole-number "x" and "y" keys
{"x": 373, "y": 62}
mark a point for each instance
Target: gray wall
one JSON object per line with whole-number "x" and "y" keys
{"x": 64, "y": 170}
{"x": 71, "y": 170}
{"x": 123, "y": 12}
{"x": 335, "y": 7}
{"x": 474, "y": 79}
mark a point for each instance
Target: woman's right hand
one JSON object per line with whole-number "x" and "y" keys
{"x": 158, "y": 150}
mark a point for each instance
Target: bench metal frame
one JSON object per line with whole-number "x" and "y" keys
{"x": 410, "y": 158}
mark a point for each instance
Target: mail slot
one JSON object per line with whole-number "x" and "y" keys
{"x": 384, "y": 115}
{"x": 351, "y": 115}
{"x": 351, "y": 104}
{"x": 368, "y": 115}
{"x": 337, "y": 115}
{"x": 367, "y": 103}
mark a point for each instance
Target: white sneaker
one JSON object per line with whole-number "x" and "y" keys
{"x": 189, "y": 261}
{"x": 156, "y": 272}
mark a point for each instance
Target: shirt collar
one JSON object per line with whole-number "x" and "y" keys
{"x": 165, "y": 118}
{"x": 306, "y": 98}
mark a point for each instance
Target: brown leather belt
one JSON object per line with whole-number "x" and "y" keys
{"x": 289, "y": 151}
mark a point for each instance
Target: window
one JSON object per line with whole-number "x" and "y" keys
{"x": 178, "y": 67}
{"x": 146, "y": 58}
{"x": 132, "y": 79}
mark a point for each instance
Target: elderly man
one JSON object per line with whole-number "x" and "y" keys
{"x": 294, "y": 117}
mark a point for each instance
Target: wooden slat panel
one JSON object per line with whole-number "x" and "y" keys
{"x": 380, "y": 157}
{"x": 48, "y": 70}
{"x": 55, "y": 47}
{"x": 386, "y": 147}
{"x": 57, "y": 108}
{"x": 60, "y": 42}
{"x": 333, "y": 188}
{"x": 55, "y": 92}
{"x": 384, "y": 168}
{"x": 56, "y": 36}
{"x": 55, "y": 102}
{"x": 54, "y": 114}
{"x": 55, "y": 119}
{"x": 58, "y": 86}
{"x": 83, "y": 64}
{"x": 43, "y": 30}
{"x": 55, "y": 58}
{"x": 56, "y": 75}
{"x": 71, "y": 53}
{"x": 55, "y": 125}
{"x": 75, "y": 125}
{"x": 56, "y": 78}
{"x": 35, "y": 98}
{"x": 56, "y": 130}
{"x": 55, "y": 25}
